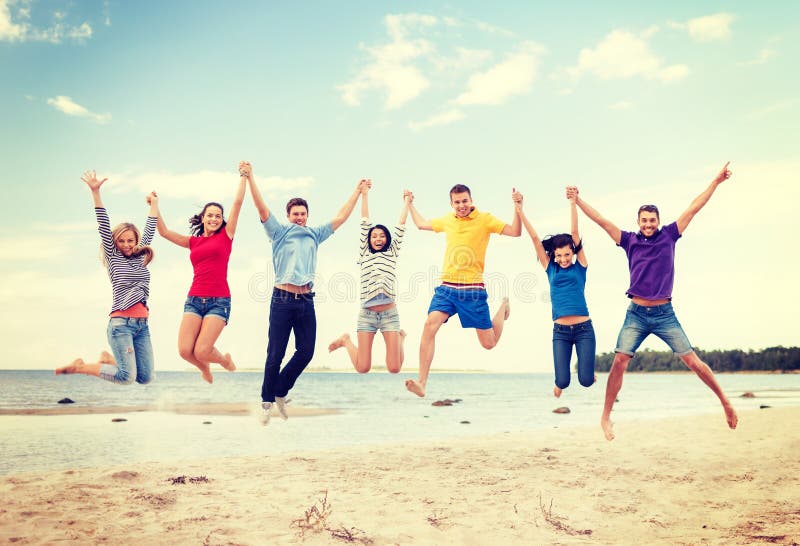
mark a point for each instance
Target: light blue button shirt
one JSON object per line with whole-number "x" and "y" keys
{"x": 294, "y": 250}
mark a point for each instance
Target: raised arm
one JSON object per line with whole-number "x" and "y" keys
{"x": 152, "y": 219}
{"x": 344, "y": 213}
{"x": 573, "y": 222}
{"x": 163, "y": 230}
{"x": 364, "y": 204}
{"x": 613, "y": 231}
{"x": 700, "y": 201}
{"x": 416, "y": 217}
{"x": 515, "y": 229}
{"x": 236, "y": 207}
{"x": 404, "y": 211}
{"x": 245, "y": 169}
{"x": 541, "y": 255}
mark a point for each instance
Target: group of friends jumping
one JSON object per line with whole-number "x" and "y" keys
{"x": 126, "y": 253}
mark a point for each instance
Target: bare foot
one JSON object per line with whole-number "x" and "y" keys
{"x": 75, "y": 367}
{"x": 508, "y": 308}
{"x": 338, "y": 342}
{"x": 557, "y": 391}
{"x": 206, "y": 373}
{"x": 608, "y": 428}
{"x": 730, "y": 415}
{"x": 106, "y": 358}
{"x": 228, "y": 363}
{"x": 415, "y": 387}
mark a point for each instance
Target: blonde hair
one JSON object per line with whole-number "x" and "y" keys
{"x": 140, "y": 250}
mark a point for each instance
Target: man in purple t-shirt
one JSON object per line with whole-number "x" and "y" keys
{"x": 651, "y": 261}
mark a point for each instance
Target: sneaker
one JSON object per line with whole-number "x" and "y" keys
{"x": 281, "y": 402}
{"x": 266, "y": 408}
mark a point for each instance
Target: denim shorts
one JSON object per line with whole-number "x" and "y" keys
{"x": 468, "y": 303}
{"x": 372, "y": 321}
{"x": 203, "y": 307}
{"x": 641, "y": 321}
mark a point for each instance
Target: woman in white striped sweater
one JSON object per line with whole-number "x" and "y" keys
{"x": 378, "y": 261}
{"x": 125, "y": 255}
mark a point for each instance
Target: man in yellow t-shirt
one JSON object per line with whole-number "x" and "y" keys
{"x": 462, "y": 291}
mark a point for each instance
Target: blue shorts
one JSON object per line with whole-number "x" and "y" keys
{"x": 468, "y": 303}
{"x": 372, "y": 321}
{"x": 641, "y": 321}
{"x": 203, "y": 307}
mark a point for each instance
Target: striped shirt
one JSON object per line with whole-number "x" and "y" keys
{"x": 130, "y": 279}
{"x": 378, "y": 269}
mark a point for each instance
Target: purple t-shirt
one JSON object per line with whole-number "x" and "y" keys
{"x": 651, "y": 262}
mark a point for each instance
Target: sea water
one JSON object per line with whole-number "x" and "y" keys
{"x": 373, "y": 408}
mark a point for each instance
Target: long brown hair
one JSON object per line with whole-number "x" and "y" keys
{"x": 140, "y": 250}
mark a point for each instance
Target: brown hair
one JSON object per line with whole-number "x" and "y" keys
{"x": 459, "y": 188}
{"x": 296, "y": 202}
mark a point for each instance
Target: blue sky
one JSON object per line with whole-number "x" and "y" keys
{"x": 635, "y": 104}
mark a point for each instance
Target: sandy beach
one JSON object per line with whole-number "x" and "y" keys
{"x": 686, "y": 480}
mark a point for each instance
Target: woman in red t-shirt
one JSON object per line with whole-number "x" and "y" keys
{"x": 208, "y": 305}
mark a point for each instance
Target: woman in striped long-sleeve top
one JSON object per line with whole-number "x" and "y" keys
{"x": 125, "y": 254}
{"x": 378, "y": 261}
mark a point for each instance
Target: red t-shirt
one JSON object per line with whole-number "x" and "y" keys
{"x": 209, "y": 256}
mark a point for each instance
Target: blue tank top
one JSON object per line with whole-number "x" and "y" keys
{"x": 566, "y": 289}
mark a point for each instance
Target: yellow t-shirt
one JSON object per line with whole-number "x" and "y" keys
{"x": 467, "y": 239}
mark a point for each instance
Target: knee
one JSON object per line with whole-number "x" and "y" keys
{"x": 187, "y": 353}
{"x": 562, "y": 383}
{"x": 586, "y": 381}
{"x": 363, "y": 367}
{"x": 202, "y": 353}
{"x": 144, "y": 379}
{"x": 621, "y": 362}
{"x": 490, "y": 343}
{"x": 393, "y": 366}
{"x": 693, "y": 362}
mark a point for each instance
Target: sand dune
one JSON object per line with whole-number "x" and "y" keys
{"x": 688, "y": 480}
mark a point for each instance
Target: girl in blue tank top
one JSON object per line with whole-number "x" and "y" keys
{"x": 564, "y": 262}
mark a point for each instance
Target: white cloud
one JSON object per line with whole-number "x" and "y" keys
{"x": 623, "y": 55}
{"x": 21, "y": 30}
{"x": 201, "y": 185}
{"x": 513, "y": 76}
{"x": 763, "y": 56}
{"x": 71, "y": 108}
{"x": 621, "y": 105}
{"x": 444, "y": 118}
{"x": 492, "y": 29}
{"x": 9, "y": 30}
{"x": 771, "y": 109}
{"x": 390, "y": 66}
{"x": 708, "y": 28}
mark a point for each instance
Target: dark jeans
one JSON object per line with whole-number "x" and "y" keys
{"x": 564, "y": 337}
{"x": 288, "y": 312}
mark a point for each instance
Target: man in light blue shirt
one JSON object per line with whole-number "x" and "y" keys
{"x": 294, "y": 255}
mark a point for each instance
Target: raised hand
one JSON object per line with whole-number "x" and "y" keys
{"x": 723, "y": 175}
{"x": 364, "y": 185}
{"x": 245, "y": 169}
{"x": 408, "y": 197}
{"x": 572, "y": 193}
{"x": 152, "y": 198}
{"x": 90, "y": 177}
{"x": 516, "y": 198}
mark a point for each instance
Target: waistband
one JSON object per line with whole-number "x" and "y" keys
{"x": 569, "y": 327}
{"x": 130, "y": 320}
{"x": 285, "y": 294}
{"x": 458, "y": 285}
{"x": 662, "y": 309}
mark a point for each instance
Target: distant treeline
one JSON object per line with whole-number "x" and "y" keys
{"x": 767, "y": 360}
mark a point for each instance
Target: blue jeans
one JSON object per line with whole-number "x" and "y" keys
{"x": 288, "y": 312}
{"x": 641, "y": 321}
{"x": 129, "y": 339}
{"x": 564, "y": 337}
